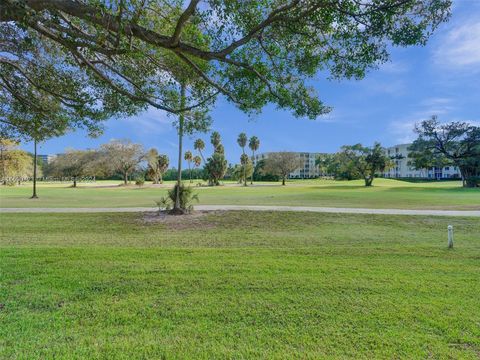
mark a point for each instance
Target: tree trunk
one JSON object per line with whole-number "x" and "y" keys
{"x": 283, "y": 180}
{"x": 34, "y": 196}
{"x": 190, "y": 171}
{"x": 368, "y": 181}
{"x": 253, "y": 167}
{"x": 244, "y": 171}
{"x": 181, "y": 120}
{"x": 74, "y": 181}
{"x": 4, "y": 168}
{"x": 125, "y": 178}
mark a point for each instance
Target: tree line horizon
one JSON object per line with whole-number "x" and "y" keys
{"x": 131, "y": 161}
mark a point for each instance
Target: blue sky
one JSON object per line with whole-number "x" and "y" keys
{"x": 442, "y": 78}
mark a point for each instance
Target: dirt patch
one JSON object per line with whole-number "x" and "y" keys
{"x": 197, "y": 220}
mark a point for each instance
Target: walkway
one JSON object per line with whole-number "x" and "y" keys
{"x": 475, "y": 213}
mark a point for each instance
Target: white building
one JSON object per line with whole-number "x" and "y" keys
{"x": 401, "y": 169}
{"x": 47, "y": 159}
{"x": 307, "y": 171}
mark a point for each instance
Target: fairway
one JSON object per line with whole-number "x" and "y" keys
{"x": 238, "y": 285}
{"x": 386, "y": 194}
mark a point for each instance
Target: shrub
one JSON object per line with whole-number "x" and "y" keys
{"x": 187, "y": 196}
{"x": 473, "y": 181}
{"x": 139, "y": 181}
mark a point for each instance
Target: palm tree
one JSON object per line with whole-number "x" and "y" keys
{"x": 242, "y": 142}
{"x": 153, "y": 166}
{"x": 197, "y": 161}
{"x": 163, "y": 163}
{"x": 215, "y": 139}
{"x": 199, "y": 145}
{"x": 188, "y": 157}
{"x": 253, "y": 144}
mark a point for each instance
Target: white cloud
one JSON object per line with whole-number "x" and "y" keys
{"x": 396, "y": 87}
{"x": 460, "y": 47}
{"x": 152, "y": 121}
{"x": 394, "y": 67}
{"x": 401, "y": 129}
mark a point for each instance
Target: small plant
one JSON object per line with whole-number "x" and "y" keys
{"x": 10, "y": 182}
{"x": 140, "y": 181}
{"x": 187, "y": 197}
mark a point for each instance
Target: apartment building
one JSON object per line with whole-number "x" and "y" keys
{"x": 307, "y": 171}
{"x": 47, "y": 159}
{"x": 401, "y": 169}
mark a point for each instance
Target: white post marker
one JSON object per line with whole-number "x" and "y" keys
{"x": 450, "y": 236}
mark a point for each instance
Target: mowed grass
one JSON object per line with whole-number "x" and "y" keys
{"x": 385, "y": 193}
{"x": 238, "y": 285}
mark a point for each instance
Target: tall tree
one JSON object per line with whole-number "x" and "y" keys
{"x": 73, "y": 164}
{"x": 199, "y": 145}
{"x": 457, "y": 143}
{"x": 189, "y": 158}
{"x": 6, "y": 146}
{"x": 197, "y": 161}
{"x": 236, "y": 172}
{"x": 366, "y": 161}
{"x": 163, "y": 163}
{"x": 216, "y": 141}
{"x": 153, "y": 170}
{"x": 254, "y": 145}
{"x": 122, "y": 157}
{"x": 282, "y": 164}
{"x": 42, "y": 96}
{"x": 242, "y": 142}
{"x": 31, "y": 124}
{"x": 247, "y": 168}
{"x": 15, "y": 164}
{"x": 216, "y": 165}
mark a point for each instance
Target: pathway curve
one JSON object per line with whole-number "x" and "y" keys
{"x": 475, "y": 213}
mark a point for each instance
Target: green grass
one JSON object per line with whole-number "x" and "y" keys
{"x": 238, "y": 285}
{"x": 385, "y": 193}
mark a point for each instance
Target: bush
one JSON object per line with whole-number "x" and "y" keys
{"x": 10, "y": 182}
{"x": 473, "y": 181}
{"x": 187, "y": 196}
{"x": 139, "y": 181}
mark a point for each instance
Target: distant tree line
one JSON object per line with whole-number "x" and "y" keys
{"x": 437, "y": 145}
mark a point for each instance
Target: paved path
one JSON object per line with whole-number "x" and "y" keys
{"x": 475, "y": 213}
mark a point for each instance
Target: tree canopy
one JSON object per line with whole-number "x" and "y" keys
{"x": 456, "y": 143}
{"x": 73, "y": 164}
{"x": 365, "y": 161}
{"x": 282, "y": 164}
{"x": 252, "y": 52}
{"x": 122, "y": 157}
{"x": 15, "y": 164}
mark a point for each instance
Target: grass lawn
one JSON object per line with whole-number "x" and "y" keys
{"x": 238, "y": 285}
{"x": 385, "y": 193}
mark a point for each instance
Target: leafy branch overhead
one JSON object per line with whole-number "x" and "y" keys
{"x": 252, "y": 52}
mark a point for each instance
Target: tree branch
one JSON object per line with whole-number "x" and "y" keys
{"x": 182, "y": 20}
